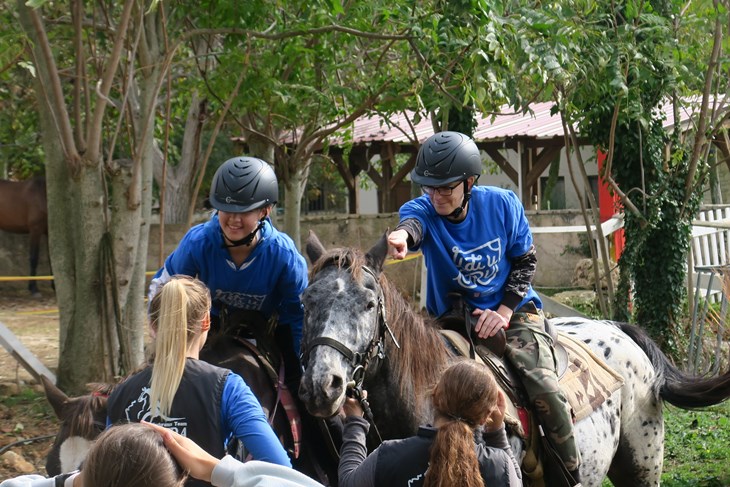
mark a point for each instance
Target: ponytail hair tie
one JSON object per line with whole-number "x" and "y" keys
{"x": 454, "y": 417}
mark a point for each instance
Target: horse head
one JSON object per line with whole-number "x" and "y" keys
{"x": 344, "y": 323}
{"x": 82, "y": 419}
{"x": 360, "y": 331}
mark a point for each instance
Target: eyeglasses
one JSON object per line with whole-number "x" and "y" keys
{"x": 441, "y": 190}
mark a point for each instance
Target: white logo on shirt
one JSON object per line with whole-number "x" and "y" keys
{"x": 478, "y": 266}
{"x": 240, "y": 300}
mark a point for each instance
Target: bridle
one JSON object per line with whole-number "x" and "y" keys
{"x": 375, "y": 349}
{"x": 373, "y": 354}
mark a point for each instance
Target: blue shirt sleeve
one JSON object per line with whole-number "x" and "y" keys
{"x": 291, "y": 285}
{"x": 182, "y": 260}
{"x": 242, "y": 415}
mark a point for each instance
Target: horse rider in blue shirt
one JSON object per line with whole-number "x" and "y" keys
{"x": 476, "y": 242}
{"x": 246, "y": 263}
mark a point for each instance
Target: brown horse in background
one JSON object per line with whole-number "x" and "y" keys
{"x": 23, "y": 209}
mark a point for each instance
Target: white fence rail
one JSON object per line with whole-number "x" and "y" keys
{"x": 709, "y": 265}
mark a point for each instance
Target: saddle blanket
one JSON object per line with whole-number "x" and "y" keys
{"x": 587, "y": 380}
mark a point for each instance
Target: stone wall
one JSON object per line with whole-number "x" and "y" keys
{"x": 557, "y": 252}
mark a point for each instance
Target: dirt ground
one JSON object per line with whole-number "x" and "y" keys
{"x": 24, "y": 412}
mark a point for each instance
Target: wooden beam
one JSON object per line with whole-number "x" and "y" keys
{"x": 24, "y": 356}
{"x": 403, "y": 171}
{"x": 503, "y": 164}
{"x": 542, "y": 162}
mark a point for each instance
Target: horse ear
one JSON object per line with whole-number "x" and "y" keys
{"x": 56, "y": 397}
{"x": 314, "y": 247}
{"x": 376, "y": 255}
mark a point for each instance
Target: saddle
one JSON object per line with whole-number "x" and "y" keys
{"x": 252, "y": 331}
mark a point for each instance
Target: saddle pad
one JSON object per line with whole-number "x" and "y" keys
{"x": 587, "y": 381}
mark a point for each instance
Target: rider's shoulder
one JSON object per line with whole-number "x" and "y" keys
{"x": 202, "y": 232}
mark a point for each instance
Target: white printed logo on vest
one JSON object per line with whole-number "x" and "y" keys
{"x": 140, "y": 410}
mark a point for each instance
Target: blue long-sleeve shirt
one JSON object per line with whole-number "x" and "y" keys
{"x": 270, "y": 280}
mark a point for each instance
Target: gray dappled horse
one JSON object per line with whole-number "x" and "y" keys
{"x": 345, "y": 337}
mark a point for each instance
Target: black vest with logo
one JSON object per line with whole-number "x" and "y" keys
{"x": 404, "y": 462}
{"x": 195, "y": 411}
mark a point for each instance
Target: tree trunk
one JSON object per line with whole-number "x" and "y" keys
{"x": 293, "y": 205}
{"x": 98, "y": 229}
{"x": 179, "y": 178}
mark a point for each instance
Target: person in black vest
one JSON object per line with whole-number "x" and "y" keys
{"x": 467, "y": 445}
{"x": 206, "y": 403}
{"x": 129, "y": 455}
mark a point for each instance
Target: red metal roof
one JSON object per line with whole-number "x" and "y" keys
{"x": 538, "y": 123}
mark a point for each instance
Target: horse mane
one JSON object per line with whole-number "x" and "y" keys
{"x": 423, "y": 353}
{"x": 80, "y": 412}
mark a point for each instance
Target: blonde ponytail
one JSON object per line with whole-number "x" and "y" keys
{"x": 177, "y": 312}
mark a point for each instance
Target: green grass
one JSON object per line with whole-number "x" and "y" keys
{"x": 697, "y": 447}
{"x": 27, "y": 406}
{"x": 24, "y": 396}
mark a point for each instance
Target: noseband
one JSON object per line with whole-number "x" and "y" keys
{"x": 374, "y": 349}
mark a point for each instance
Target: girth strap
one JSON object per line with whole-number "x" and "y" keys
{"x": 283, "y": 395}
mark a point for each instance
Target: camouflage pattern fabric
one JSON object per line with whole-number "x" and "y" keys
{"x": 530, "y": 350}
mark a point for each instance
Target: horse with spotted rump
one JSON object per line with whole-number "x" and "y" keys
{"x": 358, "y": 327}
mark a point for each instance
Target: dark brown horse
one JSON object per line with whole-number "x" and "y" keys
{"x": 23, "y": 209}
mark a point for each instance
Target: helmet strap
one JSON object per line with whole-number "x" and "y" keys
{"x": 247, "y": 240}
{"x": 467, "y": 196}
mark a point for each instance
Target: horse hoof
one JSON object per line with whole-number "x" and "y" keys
{"x": 36, "y": 295}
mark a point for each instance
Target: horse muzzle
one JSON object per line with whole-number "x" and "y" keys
{"x": 322, "y": 398}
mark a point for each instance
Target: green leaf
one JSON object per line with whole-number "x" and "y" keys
{"x": 35, "y": 3}
{"x": 30, "y": 67}
{"x": 337, "y": 7}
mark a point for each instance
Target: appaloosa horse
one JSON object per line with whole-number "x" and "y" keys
{"x": 23, "y": 209}
{"x": 84, "y": 418}
{"x": 354, "y": 316}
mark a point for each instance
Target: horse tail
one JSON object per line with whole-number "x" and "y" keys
{"x": 673, "y": 385}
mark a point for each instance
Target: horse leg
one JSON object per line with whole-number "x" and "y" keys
{"x": 640, "y": 455}
{"x": 35, "y": 239}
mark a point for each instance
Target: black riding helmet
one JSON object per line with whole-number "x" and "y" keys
{"x": 446, "y": 157}
{"x": 243, "y": 184}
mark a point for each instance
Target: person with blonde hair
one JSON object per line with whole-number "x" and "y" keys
{"x": 466, "y": 446}
{"x": 205, "y": 403}
{"x": 129, "y": 455}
